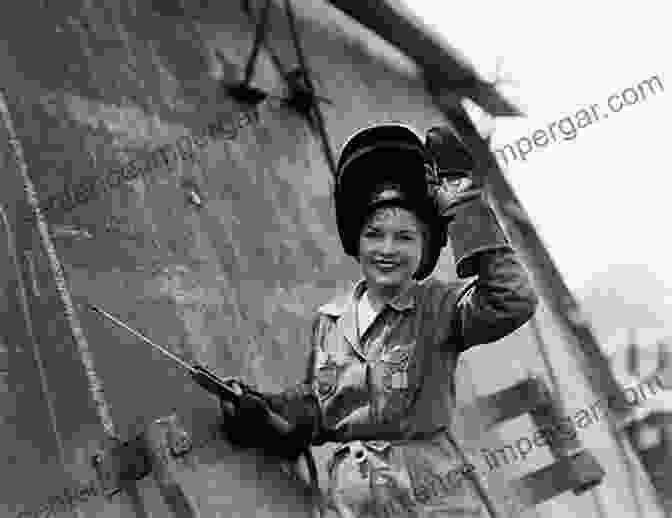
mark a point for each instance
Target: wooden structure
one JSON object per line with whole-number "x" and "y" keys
{"x": 166, "y": 161}
{"x": 643, "y": 356}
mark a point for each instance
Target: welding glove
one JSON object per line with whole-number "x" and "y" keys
{"x": 299, "y": 406}
{"x": 457, "y": 187}
{"x": 283, "y": 425}
{"x": 453, "y": 182}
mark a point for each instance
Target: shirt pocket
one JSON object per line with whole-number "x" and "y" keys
{"x": 327, "y": 372}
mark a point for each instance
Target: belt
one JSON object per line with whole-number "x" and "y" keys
{"x": 375, "y": 432}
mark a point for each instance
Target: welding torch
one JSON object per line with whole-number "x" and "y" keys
{"x": 228, "y": 390}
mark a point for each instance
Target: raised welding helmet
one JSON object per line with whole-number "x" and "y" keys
{"x": 387, "y": 164}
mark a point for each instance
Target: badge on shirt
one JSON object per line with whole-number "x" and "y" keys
{"x": 327, "y": 376}
{"x": 396, "y": 368}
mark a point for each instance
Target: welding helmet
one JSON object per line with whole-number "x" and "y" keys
{"x": 386, "y": 164}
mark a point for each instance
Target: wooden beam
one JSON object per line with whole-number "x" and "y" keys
{"x": 445, "y": 70}
{"x": 549, "y": 416}
{"x": 577, "y": 473}
{"x": 522, "y": 398}
{"x": 548, "y": 280}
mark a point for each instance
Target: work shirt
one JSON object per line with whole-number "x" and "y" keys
{"x": 388, "y": 396}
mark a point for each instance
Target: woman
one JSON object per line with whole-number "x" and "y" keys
{"x": 380, "y": 380}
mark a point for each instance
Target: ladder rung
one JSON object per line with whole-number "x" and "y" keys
{"x": 550, "y": 416}
{"x": 577, "y": 473}
{"x": 519, "y": 399}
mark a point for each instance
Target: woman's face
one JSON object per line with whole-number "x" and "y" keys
{"x": 390, "y": 247}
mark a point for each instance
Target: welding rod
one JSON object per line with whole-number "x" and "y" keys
{"x": 277, "y": 421}
{"x": 156, "y": 346}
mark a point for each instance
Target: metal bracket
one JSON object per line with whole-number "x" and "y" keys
{"x": 155, "y": 451}
{"x": 164, "y": 440}
{"x": 178, "y": 439}
{"x": 117, "y": 464}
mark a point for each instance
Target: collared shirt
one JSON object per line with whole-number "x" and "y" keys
{"x": 397, "y": 380}
{"x": 388, "y": 396}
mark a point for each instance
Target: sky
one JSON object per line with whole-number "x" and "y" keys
{"x": 600, "y": 198}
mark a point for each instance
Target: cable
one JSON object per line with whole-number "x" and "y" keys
{"x": 28, "y": 321}
{"x": 259, "y": 38}
{"x": 317, "y": 112}
{"x": 271, "y": 51}
{"x": 303, "y": 98}
{"x": 95, "y": 385}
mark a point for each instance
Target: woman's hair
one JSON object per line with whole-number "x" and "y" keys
{"x": 392, "y": 206}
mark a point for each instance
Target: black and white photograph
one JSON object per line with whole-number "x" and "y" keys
{"x": 334, "y": 259}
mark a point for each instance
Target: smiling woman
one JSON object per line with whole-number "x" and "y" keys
{"x": 391, "y": 245}
{"x": 381, "y": 371}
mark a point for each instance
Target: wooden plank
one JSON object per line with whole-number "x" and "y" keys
{"x": 514, "y": 401}
{"x": 443, "y": 67}
{"x": 548, "y": 416}
{"x": 577, "y": 473}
